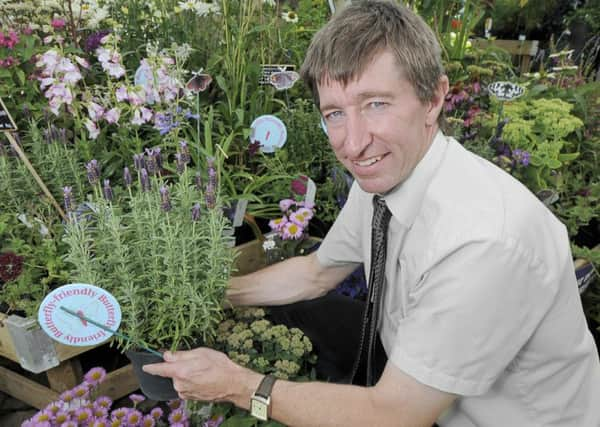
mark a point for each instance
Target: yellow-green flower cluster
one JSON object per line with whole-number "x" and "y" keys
{"x": 254, "y": 342}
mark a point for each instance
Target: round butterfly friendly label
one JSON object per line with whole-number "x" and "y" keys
{"x": 63, "y": 313}
{"x": 506, "y": 91}
{"x": 269, "y": 131}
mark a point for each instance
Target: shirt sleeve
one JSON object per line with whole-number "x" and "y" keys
{"x": 470, "y": 315}
{"x": 343, "y": 242}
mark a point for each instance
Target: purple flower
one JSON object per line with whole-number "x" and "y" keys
{"x": 521, "y": 156}
{"x": 104, "y": 402}
{"x": 196, "y": 212}
{"x": 127, "y": 180}
{"x": 145, "y": 180}
{"x": 96, "y": 375}
{"x": 138, "y": 161}
{"x": 134, "y": 417}
{"x": 209, "y": 196}
{"x": 179, "y": 163}
{"x": 119, "y": 413}
{"x": 213, "y": 422}
{"x": 164, "y": 122}
{"x": 137, "y": 398}
{"x": 198, "y": 181}
{"x": 165, "y": 199}
{"x": 61, "y": 417}
{"x": 185, "y": 152}
{"x": 177, "y": 416}
{"x": 148, "y": 421}
{"x": 93, "y": 171}
{"x": 67, "y": 197}
{"x": 151, "y": 164}
{"x": 156, "y": 413}
{"x": 83, "y": 416}
{"x": 107, "y": 190}
{"x": 93, "y": 41}
{"x": 286, "y": 204}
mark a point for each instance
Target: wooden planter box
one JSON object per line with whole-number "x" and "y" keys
{"x": 22, "y": 341}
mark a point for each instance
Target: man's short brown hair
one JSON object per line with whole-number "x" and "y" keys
{"x": 347, "y": 44}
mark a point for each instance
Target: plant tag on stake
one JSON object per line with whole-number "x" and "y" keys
{"x": 95, "y": 312}
{"x": 7, "y": 123}
{"x": 269, "y": 131}
{"x": 506, "y": 91}
{"x": 311, "y": 192}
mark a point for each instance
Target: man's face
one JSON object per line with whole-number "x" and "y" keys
{"x": 377, "y": 126}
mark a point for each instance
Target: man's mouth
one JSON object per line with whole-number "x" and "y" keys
{"x": 368, "y": 162}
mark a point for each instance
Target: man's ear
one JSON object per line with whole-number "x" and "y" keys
{"x": 437, "y": 101}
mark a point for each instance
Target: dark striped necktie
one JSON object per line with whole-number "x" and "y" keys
{"x": 379, "y": 227}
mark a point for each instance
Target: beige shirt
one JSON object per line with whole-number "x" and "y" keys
{"x": 481, "y": 298}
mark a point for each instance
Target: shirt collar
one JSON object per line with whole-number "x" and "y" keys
{"x": 405, "y": 200}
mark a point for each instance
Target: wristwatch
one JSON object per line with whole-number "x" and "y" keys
{"x": 260, "y": 401}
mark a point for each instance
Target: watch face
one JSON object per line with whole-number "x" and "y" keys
{"x": 258, "y": 409}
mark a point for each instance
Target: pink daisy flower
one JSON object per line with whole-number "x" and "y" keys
{"x": 95, "y": 376}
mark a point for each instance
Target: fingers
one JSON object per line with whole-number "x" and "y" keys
{"x": 160, "y": 369}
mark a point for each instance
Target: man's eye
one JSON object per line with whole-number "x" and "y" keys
{"x": 377, "y": 104}
{"x": 333, "y": 115}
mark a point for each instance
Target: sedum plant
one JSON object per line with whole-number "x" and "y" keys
{"x": 159, "y": 248}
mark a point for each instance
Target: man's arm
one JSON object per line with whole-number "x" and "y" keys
{"x": 397, "y": 400}
{"x": 295, "y": 279}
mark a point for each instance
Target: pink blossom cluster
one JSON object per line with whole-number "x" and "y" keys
{"x": 8, "y": 40}
{"x": 295, "y": 219}
{"x": 58, "y": 77}
{"x": 96, "y": 112}
{"x": 158, "y": 82}
{"x": 110, "y": 58}
{"x": 76, "y": 407}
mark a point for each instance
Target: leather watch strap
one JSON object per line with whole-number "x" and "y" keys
{"x": 266, "y": 386}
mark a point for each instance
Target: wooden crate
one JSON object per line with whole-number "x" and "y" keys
{"x": 22, "y": 341}
{"x": 523, "y": 51}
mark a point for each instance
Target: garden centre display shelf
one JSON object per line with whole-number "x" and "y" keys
{"x": 22, "y": 341}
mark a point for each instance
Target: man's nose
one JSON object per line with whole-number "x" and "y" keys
{"x": 357, "y": 135}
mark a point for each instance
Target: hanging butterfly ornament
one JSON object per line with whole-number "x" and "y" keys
{"x": 199, "y": 82}
{"x": 506, "y": 91}
{"x": 283, "y": 80}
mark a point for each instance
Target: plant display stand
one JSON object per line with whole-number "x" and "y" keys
{"x": 22, "y": 341}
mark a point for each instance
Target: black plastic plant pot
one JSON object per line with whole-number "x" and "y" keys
{"x": 153, "y": 386}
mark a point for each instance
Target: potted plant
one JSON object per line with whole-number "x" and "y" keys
{"x": 159, "y": 246}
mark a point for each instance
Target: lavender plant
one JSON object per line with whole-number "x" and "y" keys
{"x": 160, "y": 248}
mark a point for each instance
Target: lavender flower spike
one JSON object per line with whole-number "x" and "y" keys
{"x": 179, "y": 163}
{"x": 93, "y": 171}
{"x": 151, "y": 165}
{"x": 185, "y": 152}
{"x": 198, "y": 181}
{"x": 209, "y": 196}
{"x": 165, "y": 199}
{"x": 145, "y": 180}
{"x": 127, "y": 180}
{"x": 108, "y": 193}
{"x": 68, "y": 201}
{"x": 196, "y": 212}
{"x": 138, "y": 161}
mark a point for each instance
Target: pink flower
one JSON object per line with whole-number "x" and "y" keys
{"x": 58, "y": 23}
{"x": 9, "y": 39}
{"x": 134, "y": 417}
{"x": 92, "y": 129}
{"x": 278, "y": 224}
{"x": 119, "y": 413}
{"x": 104, "y": 402}
{"x": 148, "y": 421}
{"x": 112, "y": 115}
{"x": 298, "y": 185}
{"x": 95, "y": 376}
{"x": 137, "y": 398}
{"x": 177, "y": 416}
{"x": 121, "y": 93}
{"x": 299, "y": 219}
{"x": 286, "y": 204}
{"x": 95, "y": 111}
{"x": 292, "y": 231}
{"x": 156, "y": 412}
{"x": 27, "y": 30}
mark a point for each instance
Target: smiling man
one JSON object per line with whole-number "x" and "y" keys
{"x": 478, "y": 312}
